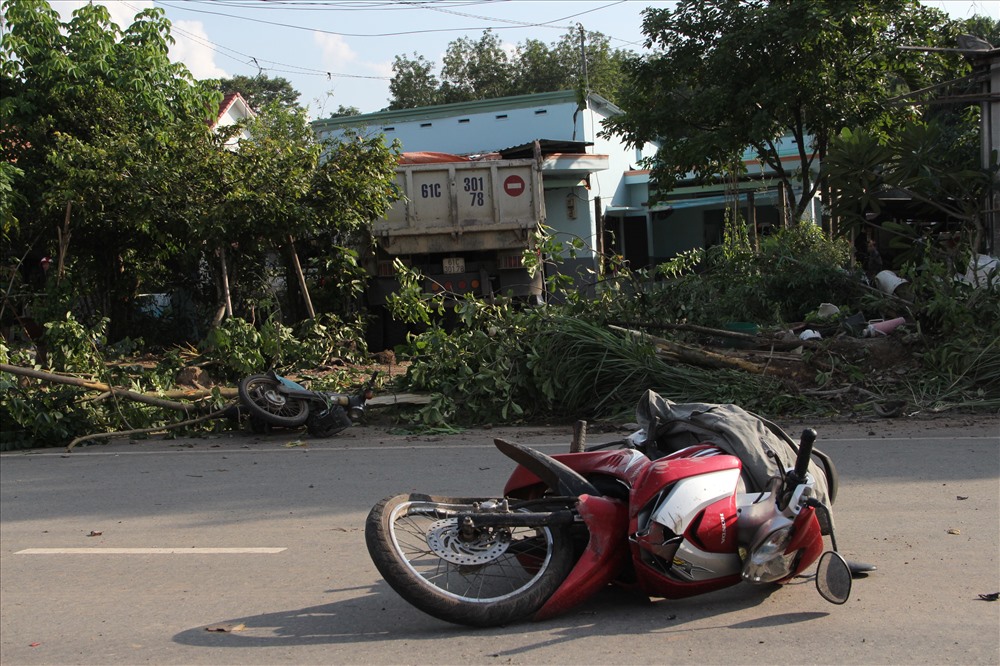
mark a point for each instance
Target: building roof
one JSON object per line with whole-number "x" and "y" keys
{"x": 462, "y": 108}
{"x": 233, "y": 101}
{"x": 545, "y": 147}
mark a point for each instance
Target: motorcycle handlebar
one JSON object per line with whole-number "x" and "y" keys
{"x": 805, "y": 452}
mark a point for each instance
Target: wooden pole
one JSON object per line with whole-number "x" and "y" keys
{"x": 227, "y": 297}
{"x": 302, "y": 278}
{"x": 63, "y": 236}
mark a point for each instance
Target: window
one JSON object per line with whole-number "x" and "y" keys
{"x": 501, "y": 116}
{"x": 462, "y": 121}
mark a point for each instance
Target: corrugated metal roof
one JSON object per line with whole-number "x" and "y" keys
{"x": 547, "y": 146}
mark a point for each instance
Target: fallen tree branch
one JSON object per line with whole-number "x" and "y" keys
{"x": 692, "y": 355}
{"x": 398, "y": 399}
{"x": 772, "y": 343}
{"x": 199, "y": 394}
{"x": 101, "y": 386}
{"x": 141, "y": 431}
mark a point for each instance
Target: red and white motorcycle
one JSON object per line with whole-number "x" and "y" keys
{"x": 671, "y": 525}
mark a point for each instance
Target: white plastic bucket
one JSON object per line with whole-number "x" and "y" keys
{"x": 888, "y": 282}
{"x": 827, "y": 310}
{"x": 982, "y": 270}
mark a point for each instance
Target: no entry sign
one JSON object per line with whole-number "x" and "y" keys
{"x": 513, "y": 185}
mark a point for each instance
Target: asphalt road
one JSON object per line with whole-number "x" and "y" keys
{"x": 247, "y": 550}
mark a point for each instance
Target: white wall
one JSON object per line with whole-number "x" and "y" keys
{"x": 483, "y": 132}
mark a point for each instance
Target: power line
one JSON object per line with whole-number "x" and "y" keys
{"x": 360, "y": 5}
{"x": 247, "y": 58}
{"x": 519, "y": 25}
{"x": 320, "y": 30}
{"x": 525, "y": 24}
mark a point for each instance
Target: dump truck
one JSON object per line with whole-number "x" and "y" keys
{"x": 464, "y": 225}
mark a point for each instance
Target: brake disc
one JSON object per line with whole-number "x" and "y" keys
{"x": 444, "y": 539}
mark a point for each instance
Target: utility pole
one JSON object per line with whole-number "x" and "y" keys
{"x": 583, "y": 59}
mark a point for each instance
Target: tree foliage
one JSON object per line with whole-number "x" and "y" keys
{"x": 94, "y": 115}
{"x": 727, "y": 75}
{"x": 934, "y": 163}
{"x": 487, "y": 69}
{"x": 261, "y": 90}
{"x": 413, "y": 82}
{"x": 343, "y": 111}
{"x": 475, "y": 69}
{"x": 918, "y": 161}
{"x": 121, "y": 176}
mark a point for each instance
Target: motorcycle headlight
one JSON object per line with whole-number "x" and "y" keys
{"x": 768, "y": 561}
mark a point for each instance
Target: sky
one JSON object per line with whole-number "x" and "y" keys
{"x": 340, "y": 52}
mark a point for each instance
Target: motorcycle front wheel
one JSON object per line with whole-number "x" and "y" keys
{"x": 503, "y": 575}
{"x": 262, "y": 398}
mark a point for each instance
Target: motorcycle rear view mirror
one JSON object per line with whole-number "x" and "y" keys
{"x": 833, "y": 578}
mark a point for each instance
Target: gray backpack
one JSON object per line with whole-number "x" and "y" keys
{"x": 671, "y": 427}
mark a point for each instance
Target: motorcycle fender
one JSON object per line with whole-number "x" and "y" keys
{"x": 290, "y": 386}
{"x": 561, "y": 478}
{"x": 807, "y": 537}
{"x": 607, "y": 521}
{"x": 625, "y": 465}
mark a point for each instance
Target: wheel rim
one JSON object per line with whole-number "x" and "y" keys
{"x": 497, "y": 565}
{"x": 274, "y": 400}
{"x": 266, "y": 396}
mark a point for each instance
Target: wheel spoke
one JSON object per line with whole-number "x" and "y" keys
{"x": 492, "y": 567}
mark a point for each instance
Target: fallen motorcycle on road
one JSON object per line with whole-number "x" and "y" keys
{"x": 701, "y": 498}
{"x": 273, "y": 400}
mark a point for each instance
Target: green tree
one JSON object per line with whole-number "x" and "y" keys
{"x": 483, "y": 69}
{"x": 475, "y": 70}
{"x": 603, "y": 64}
{"x": 281, "y": 193}
{"x": 261, "y": 90}
{"x": 727, "y": 75}
{"x": 413, "y": 83}
{"x": 90, "y": 113}
{"x": 345, "y": 111}
{"x": 126, "y": 183}
{"x": 353, "y": 186}
{"x": 8, "y": 174}
{"x": 923, "y": 161}
{"x": 538, "y": 68}
{"x": 934, "y": 160}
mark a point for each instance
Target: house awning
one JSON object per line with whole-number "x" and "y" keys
{"x": 768, "y": 197}
{"x": 624, "y": 210}
{"x": 573, "y": 164}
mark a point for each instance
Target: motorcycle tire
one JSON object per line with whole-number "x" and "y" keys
{"x": 262, "y": 399}
{"x": 504, "y": 576}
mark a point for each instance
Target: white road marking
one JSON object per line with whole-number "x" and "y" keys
{"x": 325, "y": 447}
{"x": 149, "y": 551}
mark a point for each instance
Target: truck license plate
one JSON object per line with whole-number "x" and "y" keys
{"x": 453, "y": 265}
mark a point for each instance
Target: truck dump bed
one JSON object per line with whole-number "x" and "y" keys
{"x": 462, "y": 206}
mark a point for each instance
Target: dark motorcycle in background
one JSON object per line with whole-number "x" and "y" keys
{"x": 273, "y": 400}
{"x": 654, "y": 512}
